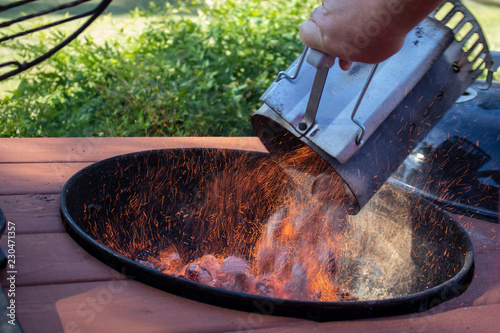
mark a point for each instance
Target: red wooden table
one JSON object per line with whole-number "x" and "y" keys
{"x": 61, "y": 288}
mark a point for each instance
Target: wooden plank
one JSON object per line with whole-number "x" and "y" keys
{"x": 36, "y": 213}
{"x": 36, "y": 150}
{"x": 8, "y": 322}
{"x": 474, "y": 319}
{"x": 48, "y": 178}
{"x": 54, "y": 258}
{"x": 129, "y": 306}
{"x": 36, "y": 178}
{"x": 485, "y": 286}
{"x": 124, "y": 306}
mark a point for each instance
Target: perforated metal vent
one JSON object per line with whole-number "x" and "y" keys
{"x": 469, "y": 36}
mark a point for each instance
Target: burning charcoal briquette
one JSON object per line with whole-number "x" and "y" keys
{"x": 299, "y": 280}
{"x": 234, "y": 265}
{"x": 269, "y": 286}
{"x": 238, "y": 274}
{"x": 169, "y": 262}
{"x": 196, "y": 273}
{"x": 210, "y": 264}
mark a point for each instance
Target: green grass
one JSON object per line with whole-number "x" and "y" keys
{"x": 185, "y": 71}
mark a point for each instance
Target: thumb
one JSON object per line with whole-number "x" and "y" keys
{"x": 311, "y": 35}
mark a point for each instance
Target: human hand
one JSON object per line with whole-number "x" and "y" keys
{"x": 364, "y": 31}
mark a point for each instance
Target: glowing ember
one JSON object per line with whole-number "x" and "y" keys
{"x": 295, "y": 255}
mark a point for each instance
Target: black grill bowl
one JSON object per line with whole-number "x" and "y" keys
{"x": 404, "y": 254}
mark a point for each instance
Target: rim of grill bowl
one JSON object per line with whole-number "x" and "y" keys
{"x": 311, "y": 310}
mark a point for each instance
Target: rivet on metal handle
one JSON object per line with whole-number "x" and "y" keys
{"x": 361, "y": 126}
{"x": 284, "y": 74}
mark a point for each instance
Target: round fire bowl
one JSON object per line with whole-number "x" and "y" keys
{"x": 402, "y": 254}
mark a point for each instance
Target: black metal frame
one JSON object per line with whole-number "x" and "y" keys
{"x": 94, "y": 13}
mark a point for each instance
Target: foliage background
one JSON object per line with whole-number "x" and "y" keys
{"x": 171, "y": 70}
{"x": 192, "y": 70}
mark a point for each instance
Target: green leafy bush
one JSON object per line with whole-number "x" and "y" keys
{"x": 194, "y": 70}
